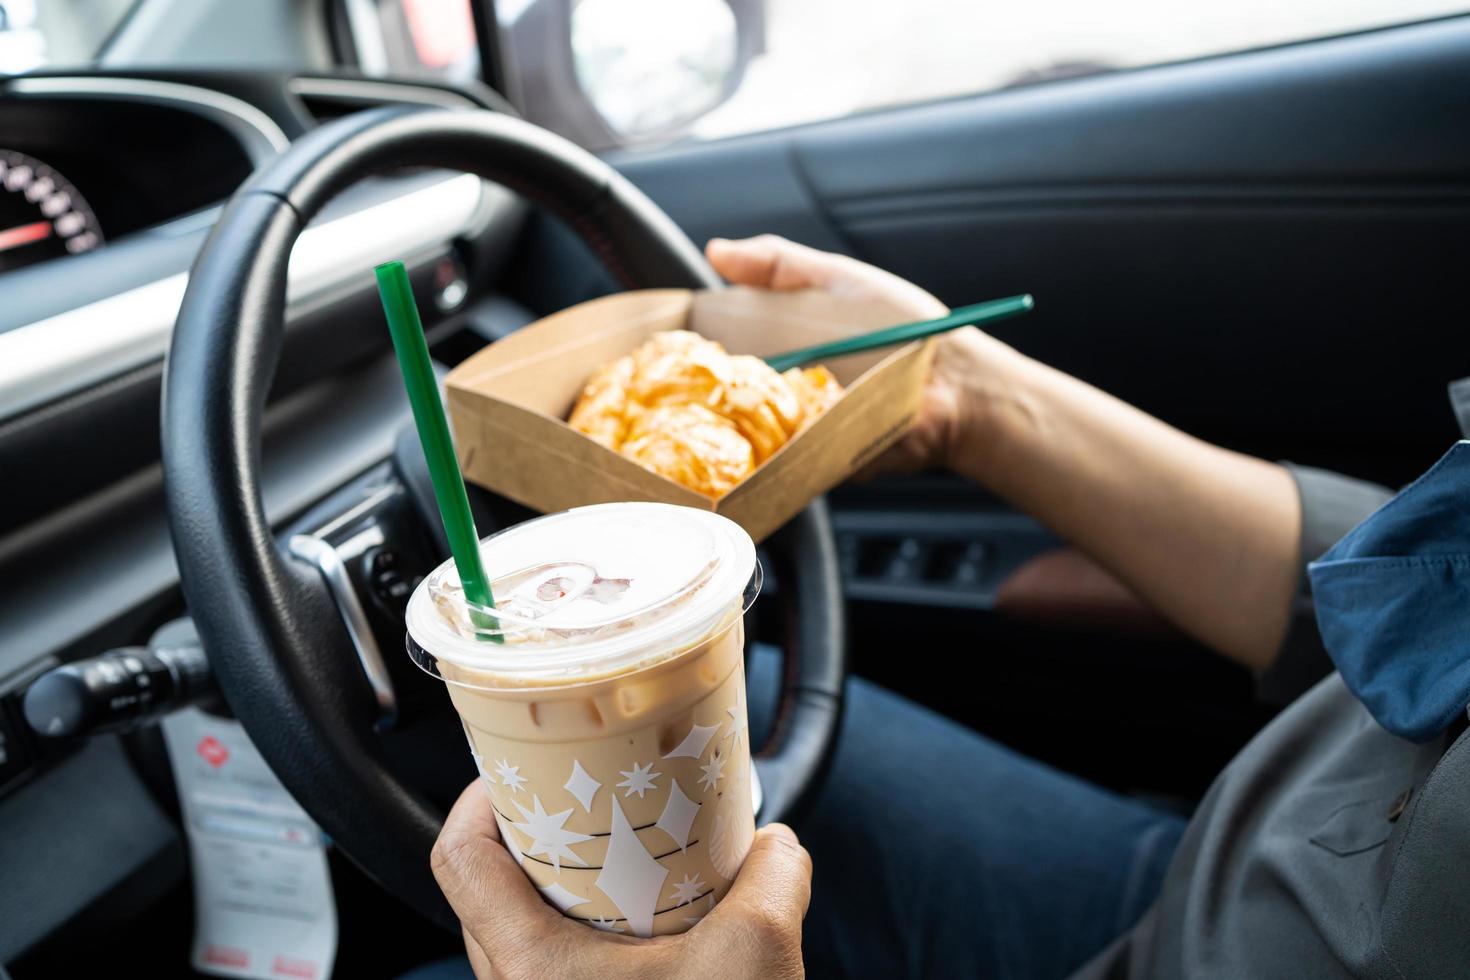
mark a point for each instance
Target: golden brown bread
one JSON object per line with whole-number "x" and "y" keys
{"x": 691, "y": 445}
{"x": 816, "y": 388}
{"x": 600, "y": 408}
{"x": 683, "y": 407}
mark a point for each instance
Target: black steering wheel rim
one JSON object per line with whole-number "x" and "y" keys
{"x": 274, "y": 637}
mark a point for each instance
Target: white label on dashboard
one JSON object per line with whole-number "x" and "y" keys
{"x": 262, "y": 893}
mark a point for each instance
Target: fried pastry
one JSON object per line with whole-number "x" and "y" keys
{"x": 601, "y": 410}
{"x": 816, "y": 388}
{"x": 683, "y": 407}
{"x": 691, "y": 445}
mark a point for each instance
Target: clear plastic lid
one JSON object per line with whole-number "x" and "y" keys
{"x": 586, "y": 592}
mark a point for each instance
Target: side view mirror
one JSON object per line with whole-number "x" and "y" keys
{"x": 652, "y": 67}
{"x": 610, "y": 73}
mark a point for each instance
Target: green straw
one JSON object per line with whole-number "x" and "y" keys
{"x": 991, "y": 312}
{"x": 428, "y": 415}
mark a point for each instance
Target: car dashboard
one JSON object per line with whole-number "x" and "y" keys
{"x": 87, "y": 160}
{"x": 109, "y": 185}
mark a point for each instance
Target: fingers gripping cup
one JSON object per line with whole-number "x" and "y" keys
{"x": 609, "y": 722}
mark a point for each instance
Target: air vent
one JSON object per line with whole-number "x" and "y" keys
{"x": 325, "y": 99}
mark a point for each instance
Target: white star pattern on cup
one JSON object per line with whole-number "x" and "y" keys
{"x": 630, "y": 876}
{"x": 694, "y": 743}
{"x": 689, "y": 920}
{"x": 509, "y": 839}
{"x": 606, "y": 925}
{"x": 688, "y": 890}
{"x": 548, "y": 836}
{"x": 562, "y": 897}
{"x": 678, "y": 816}
{"x": 639, "y": 781}
{"x": 582, "y": 786}
{"x": 479, "y": 762}
{"x": 714, "y": 771}
{"x": 737, "y": 720}
{"x": 509, "y": 775}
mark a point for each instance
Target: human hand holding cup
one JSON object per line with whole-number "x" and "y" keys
{"x": 609, "y": 724}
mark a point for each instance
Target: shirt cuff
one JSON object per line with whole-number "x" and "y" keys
{"x": 1332, "y": 505}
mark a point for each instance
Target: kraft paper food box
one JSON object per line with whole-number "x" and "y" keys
{"x": 508, "y": 402}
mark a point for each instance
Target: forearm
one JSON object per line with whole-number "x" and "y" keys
{"x": 1207, "y": 536}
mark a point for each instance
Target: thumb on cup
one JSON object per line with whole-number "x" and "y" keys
{"x": 772, "y": 891}
{"x": 492, "y": 896}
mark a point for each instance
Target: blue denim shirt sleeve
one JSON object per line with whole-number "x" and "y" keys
{"x": 1332, "y": 505}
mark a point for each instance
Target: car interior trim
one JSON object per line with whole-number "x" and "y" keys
{"x": 328, "y": 561}
{"x": 369, "y": 94}
{"x": 315, "y": 441}
{"x": 367, "y": 36}
{"x": 257, "y": 132}
{"x": 54, "y": 357}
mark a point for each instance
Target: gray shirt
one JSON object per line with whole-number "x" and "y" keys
{"x": 1328, "y": 847}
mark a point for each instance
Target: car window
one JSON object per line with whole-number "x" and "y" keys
{"x": 36, "y": 33}
{"x": 632, "y": 73}
{"x": 427, "y": 39}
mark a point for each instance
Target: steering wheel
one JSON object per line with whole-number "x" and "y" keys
{"x": 275, "y": 640}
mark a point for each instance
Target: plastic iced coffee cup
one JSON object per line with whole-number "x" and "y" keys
{"x": 609, "y": 721}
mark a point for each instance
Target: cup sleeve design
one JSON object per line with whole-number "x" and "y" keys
{"x": 678, "y": 816}
{"x": 623, "y": 833}
{"x": 582, "y": 786}
{"x": 694, "y": 743}
{"x": 630, "y": 875}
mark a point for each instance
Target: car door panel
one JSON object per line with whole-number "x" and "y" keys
{"x": 737, "y": 188}
{"x": 1263, "y": 249}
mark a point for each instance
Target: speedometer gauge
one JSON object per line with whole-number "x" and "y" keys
{"x": 42, "y": 216}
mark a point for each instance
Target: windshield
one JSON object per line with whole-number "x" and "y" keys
{"x": 36, "y": 33}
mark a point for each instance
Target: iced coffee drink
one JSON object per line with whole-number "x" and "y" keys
{"x": 604, "y": 702}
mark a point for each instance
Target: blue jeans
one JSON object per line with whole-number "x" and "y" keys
{"x": 939, "y": 853}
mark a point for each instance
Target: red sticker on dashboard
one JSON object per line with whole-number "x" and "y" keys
{"x": 212, "y": 751}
